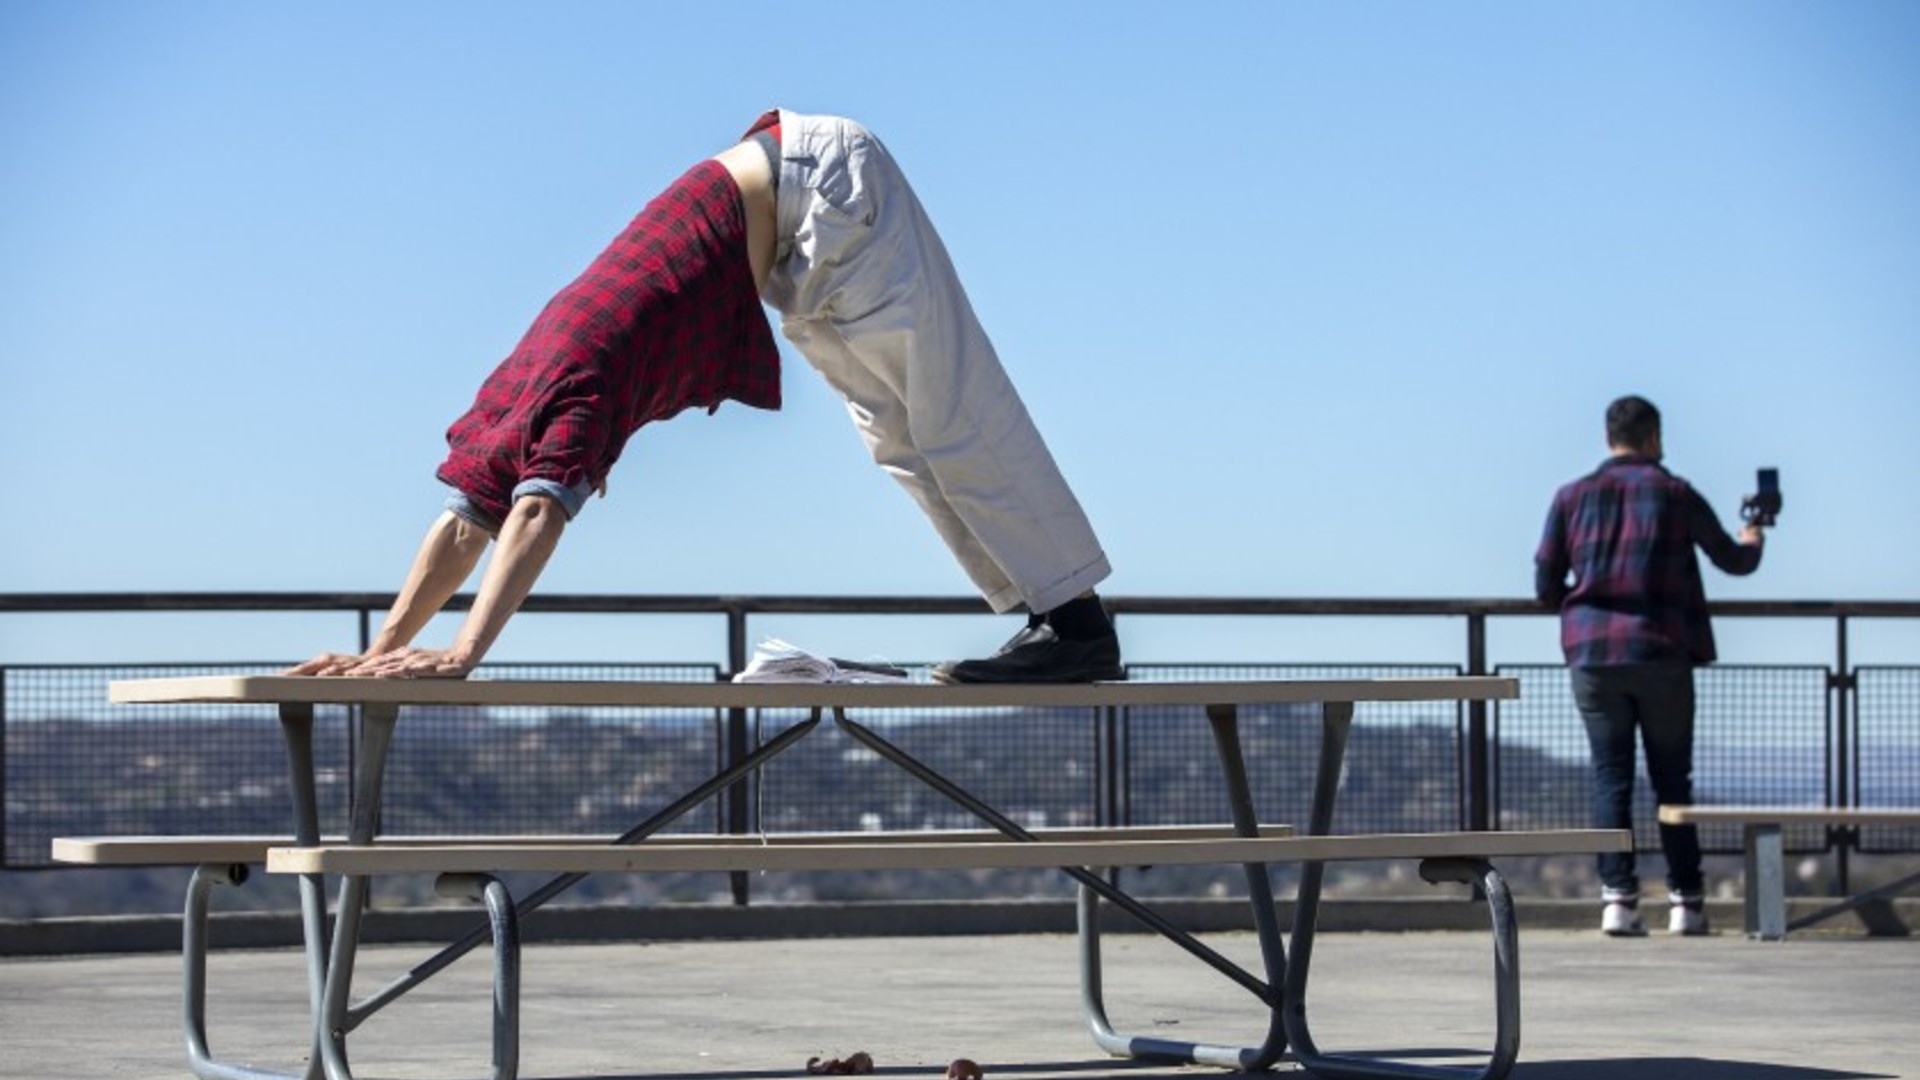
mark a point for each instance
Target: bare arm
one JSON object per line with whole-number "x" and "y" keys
{"x": 447, "y": 556}
{"x": 448, "y": 553}
{"x": 527, "y": 540}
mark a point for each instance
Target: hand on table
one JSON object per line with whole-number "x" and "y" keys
{"x": 326, "y": 664}
{"x": 414, "y": 664}
{"x": 406, "y": 663}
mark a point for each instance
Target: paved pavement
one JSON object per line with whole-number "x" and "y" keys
{"x": 1816, "y": 1007}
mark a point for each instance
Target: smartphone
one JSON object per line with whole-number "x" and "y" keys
{"x": 1763, "y": 506}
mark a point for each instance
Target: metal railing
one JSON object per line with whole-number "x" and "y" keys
{"x": 1818, "y": 732}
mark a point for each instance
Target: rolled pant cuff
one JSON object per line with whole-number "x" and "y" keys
{"x": 1062, "y": 591}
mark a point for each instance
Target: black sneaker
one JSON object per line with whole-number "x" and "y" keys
{"x": 1039, "y": 655}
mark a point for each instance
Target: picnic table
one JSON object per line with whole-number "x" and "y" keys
{"x": 468, "y": 864}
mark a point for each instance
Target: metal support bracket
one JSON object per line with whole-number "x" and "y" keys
{"x": 1094, "y": 888}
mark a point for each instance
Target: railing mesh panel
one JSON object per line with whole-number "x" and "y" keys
{"x": 79, "y": 766}
{"x": 1761, "y": 735}
{"x": 1403, "y": 762}
{"x": 1886, "y": 751}
{"x": 586, "y": 771}
{"x": 76, "y": 765}
{"x": 1038, "y": 767}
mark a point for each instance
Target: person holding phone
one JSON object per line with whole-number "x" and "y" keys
{"x": 1633, "y": 626}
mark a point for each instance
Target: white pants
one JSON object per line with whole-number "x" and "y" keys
{"x": 869, "y": 296}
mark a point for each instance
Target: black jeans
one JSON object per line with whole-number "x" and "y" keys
{"x": 1656, "y": 700}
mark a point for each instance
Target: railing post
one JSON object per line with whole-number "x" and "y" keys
{"x": 1844, "y": 754}
{"x": 739, "y": 805}
{"x": 1112, "y": 805}
{"x": 6, "y": 862}
{"x": 1479, "y": 757}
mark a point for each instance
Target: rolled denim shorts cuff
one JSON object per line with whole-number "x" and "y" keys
{"x": 571, "y": 499}
{"x": 462, "y": 507}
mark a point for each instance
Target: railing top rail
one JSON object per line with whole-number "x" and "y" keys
{"x": 629, "y": 603}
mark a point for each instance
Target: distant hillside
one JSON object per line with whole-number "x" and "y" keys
{"x": 457, "y": 771}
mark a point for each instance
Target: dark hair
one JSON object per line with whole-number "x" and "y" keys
{"x": 1632, "y": 422}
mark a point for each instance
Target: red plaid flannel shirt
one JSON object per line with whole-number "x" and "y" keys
{"x": 665, "y": 319}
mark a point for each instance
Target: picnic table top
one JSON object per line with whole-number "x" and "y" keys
{"x": 287, "y": 689}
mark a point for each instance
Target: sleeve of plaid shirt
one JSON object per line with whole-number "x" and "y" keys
{"x": 1730, "y": 555}
{"x": 1550, "y": 561}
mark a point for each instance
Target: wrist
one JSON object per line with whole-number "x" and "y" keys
{"x": 467, "y": 653}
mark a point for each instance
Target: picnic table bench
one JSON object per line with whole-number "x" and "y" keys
{"x": 468, "y": 865}
{"x": 1765, "y": 854}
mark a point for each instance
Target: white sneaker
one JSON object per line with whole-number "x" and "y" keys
{"x": 1621, "y": 916}
{"x": 1687, "y": 914}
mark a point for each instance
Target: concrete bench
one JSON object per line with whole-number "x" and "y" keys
{"x": 1766, "y": 884}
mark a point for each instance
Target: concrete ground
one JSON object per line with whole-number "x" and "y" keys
{"x": 1816, "y": 1007}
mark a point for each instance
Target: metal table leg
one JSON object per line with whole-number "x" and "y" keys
{"x": 1224, "y": 722}
{"x": 369, "y": 782}
{"x": 505, "y": 925}
{"x": 1335, "y": 724}
{"x": 193, "y": 950}
{"x": 296, "y": 723}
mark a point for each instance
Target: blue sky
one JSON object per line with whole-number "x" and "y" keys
{"x": 1308, "y": 299}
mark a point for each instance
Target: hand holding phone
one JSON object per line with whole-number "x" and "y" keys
{"x": 1760, "y": 508}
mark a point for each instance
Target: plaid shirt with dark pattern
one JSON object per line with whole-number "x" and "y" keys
{"x": 665, "y": 319}
{"x": 1627, "y": 533}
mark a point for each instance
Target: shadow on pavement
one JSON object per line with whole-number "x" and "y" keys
{"x": 1678, "y": 1068}
{"x": 1644, "y": 1068}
